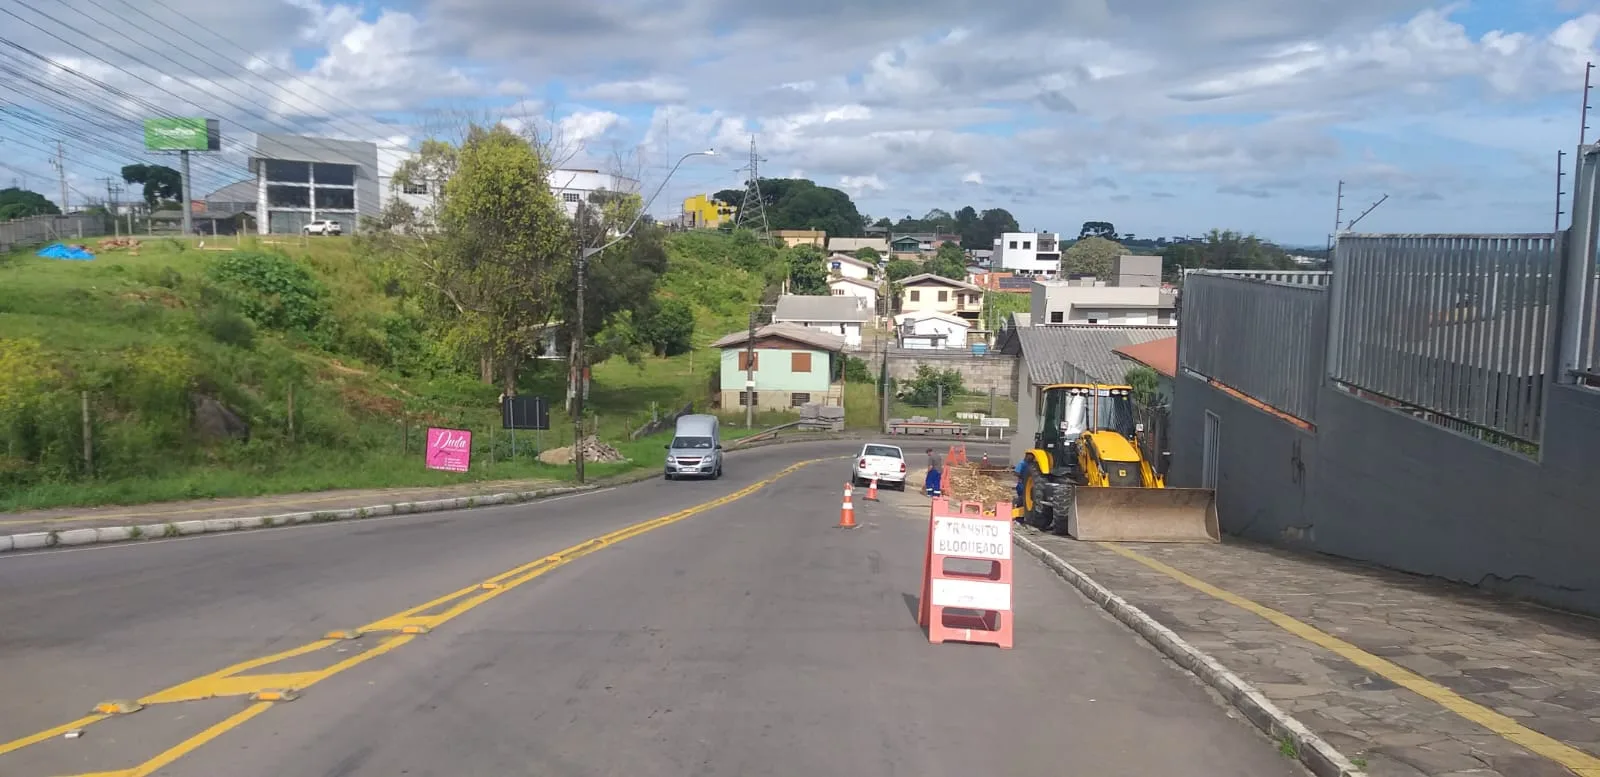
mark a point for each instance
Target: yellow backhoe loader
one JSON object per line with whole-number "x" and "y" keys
{"x": 1087, "y": 477}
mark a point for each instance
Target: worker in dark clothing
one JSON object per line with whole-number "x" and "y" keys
{"x": 931, "y": 486}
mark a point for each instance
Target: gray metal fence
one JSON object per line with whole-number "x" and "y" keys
{"x": 44, "y": 229}
{"x": 1319, "y": 278}
{"x": 1580, "y": 346}
{"x": 1459, "y": 325}
{"x": 1265, "y": 339}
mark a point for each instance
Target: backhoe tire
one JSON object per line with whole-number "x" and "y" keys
{"x": 1062, "y": 502}
{"x": 1035, "y": 493}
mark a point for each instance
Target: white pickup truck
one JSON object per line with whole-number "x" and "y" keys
{"x": 886, "y": 463}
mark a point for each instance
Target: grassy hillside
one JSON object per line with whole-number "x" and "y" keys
{"x": 314, "y": 347}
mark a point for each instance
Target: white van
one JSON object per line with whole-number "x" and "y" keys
{"x": 696, "y": 448}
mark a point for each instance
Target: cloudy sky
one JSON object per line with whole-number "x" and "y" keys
{"x": 1165, "y": 117}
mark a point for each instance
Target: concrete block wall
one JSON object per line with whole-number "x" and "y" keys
{"x": 980, "y": 373}
{"x": 1376, "y": 485}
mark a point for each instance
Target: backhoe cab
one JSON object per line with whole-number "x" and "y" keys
{"x": 1089, "y": 477}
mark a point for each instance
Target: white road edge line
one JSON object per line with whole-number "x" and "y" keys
{"x": 269, "y": 530}
{"x": 1322, "y": 758}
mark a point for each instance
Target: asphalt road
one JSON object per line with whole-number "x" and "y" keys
{"x": 744, "y": 638}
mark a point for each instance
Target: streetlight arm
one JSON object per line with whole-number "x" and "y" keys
{"x": 645, "y": 208}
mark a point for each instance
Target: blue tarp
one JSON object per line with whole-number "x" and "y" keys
{"x": 59, "y": 251}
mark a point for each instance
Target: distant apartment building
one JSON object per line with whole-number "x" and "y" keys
{"x": 1133, "y": 296}
{"x": 569, "y": 185}
{"x": 702, "y": 212}
{"x": 1027, "y": 254}
{"x": 304, "y": 179}
{"x": 572, "y": 186}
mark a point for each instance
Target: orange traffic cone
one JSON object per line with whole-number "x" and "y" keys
{"x": 847, "y": 512}
{"x": 872, "y": 490}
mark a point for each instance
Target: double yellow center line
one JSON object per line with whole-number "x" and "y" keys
{"x": 397, "y": 630}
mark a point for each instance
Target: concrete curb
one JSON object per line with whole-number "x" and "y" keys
{"x": 169, "y": 529}
{"x": 1313, "y": 751}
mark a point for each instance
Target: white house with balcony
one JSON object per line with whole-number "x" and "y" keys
{"x": 928, "y": 330}
{"x": 929, "y": 293}
{"x": 1032, "y": 254}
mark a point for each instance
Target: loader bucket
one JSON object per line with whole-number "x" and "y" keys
{"x": 1144, "y": 515}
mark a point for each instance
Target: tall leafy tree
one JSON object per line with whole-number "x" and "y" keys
{"x": 807, "y": 274}
{"x": 948, "y": 261}
{"x": 1103, "y": 229}
{"x": 500, "y": 251}
{"x": 1091, "y": 256}
{"x": 160, "y": 182}
{"x": 21, "y": 203}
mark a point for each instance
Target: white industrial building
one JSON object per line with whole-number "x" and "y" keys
{"x": 1133, "y": 297}
{"x": 1035, "y": 254}
{"x": 574, "y": 186}
{"x": 303, "y": 179}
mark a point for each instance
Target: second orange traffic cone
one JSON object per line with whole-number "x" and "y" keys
{"x": 847, "y": 512}
{"x": 872, "y": 491}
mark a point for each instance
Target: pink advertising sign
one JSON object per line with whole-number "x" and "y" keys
{"x": 449, "y": 449}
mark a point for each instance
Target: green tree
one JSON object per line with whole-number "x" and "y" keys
{"x": 900, "y": 269}
{"x": 796, "y": 203}
{"x": 980, "y": 233}
{"x": 21, "y": 203}
{"x": 669, "y": 327}
{"x": 1146, "y": 385}
{"x": 869, "y": 255}
{"x": 1094, "y": 256}
{"x": 160, "y": 182}
{"x": 929, "y": 384}
{"x": 1103, "y": 229}
{"x": 948, "y": 261}
{"x": 807, "y": 274}
{"x": 502, "y": 247}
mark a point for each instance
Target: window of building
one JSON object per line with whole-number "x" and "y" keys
{"x": 1013, "y": 245}
{"x": 1057, "y": 317}
{"x": 944, "y": 296}
{"x": 749, "y": 361}
{"x": 799, "y": 399}
{"x": 1027, "y": 245}
{"x": 285, "y": 171}
{"x": 335, "y": 199}
{"x": 914, "y": 295}
{"x": 748, "y": 398}
{"x": 335, "y": 175}
{"x": 416, "y": 187}
{"x": 279, "y": 196}
{"x": 570, "y": 197}
{"x": 799, "y": 362}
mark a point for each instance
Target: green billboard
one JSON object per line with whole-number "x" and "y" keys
{"x": 180, "y": 134}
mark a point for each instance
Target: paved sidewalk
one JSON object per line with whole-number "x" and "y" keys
{"x": 1406, "y": 676}
{"x": 60, "y": 519}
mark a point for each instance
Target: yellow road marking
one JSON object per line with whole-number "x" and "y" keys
{"x": 232, "y": 682}
{"x": 18, "y": 744}
{"x": 1581, "y": 763}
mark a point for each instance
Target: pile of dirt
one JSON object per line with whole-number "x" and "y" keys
{"x": 974, "y": 484}
{"x": 593, "y": 450}
{"x": 118, "y": 243}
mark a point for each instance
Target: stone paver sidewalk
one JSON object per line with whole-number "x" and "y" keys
{"x": 1406, "y": 676}
{"x": 64, "y": 518}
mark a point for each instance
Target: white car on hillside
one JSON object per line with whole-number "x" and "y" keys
{"x": 887, "y": 463}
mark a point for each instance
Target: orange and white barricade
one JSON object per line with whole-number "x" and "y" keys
{"x": 970, "y": 603}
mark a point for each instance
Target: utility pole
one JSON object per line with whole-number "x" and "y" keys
{"x": 188, "y": 201}
{"x": 60, "y": 164}
{"x": 577, "y": 352}
{"x": 1338, "y": 216}
{"x": 750, "y": 375}
{"x": 1561, "y": 171}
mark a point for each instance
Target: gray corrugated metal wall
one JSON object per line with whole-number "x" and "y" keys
{"x": 1264, "y": 339}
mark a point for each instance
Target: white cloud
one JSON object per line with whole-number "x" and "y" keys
{"x": 1163, "y": 116}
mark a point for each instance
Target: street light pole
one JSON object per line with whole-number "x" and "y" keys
{"x": 579, "y": 364}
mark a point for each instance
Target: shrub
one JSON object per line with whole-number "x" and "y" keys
{"x": 272, "y": 290}
{"x": 228, "y": 328}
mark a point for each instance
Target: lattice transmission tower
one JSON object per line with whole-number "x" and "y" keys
{"x": 753, "y": 210}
